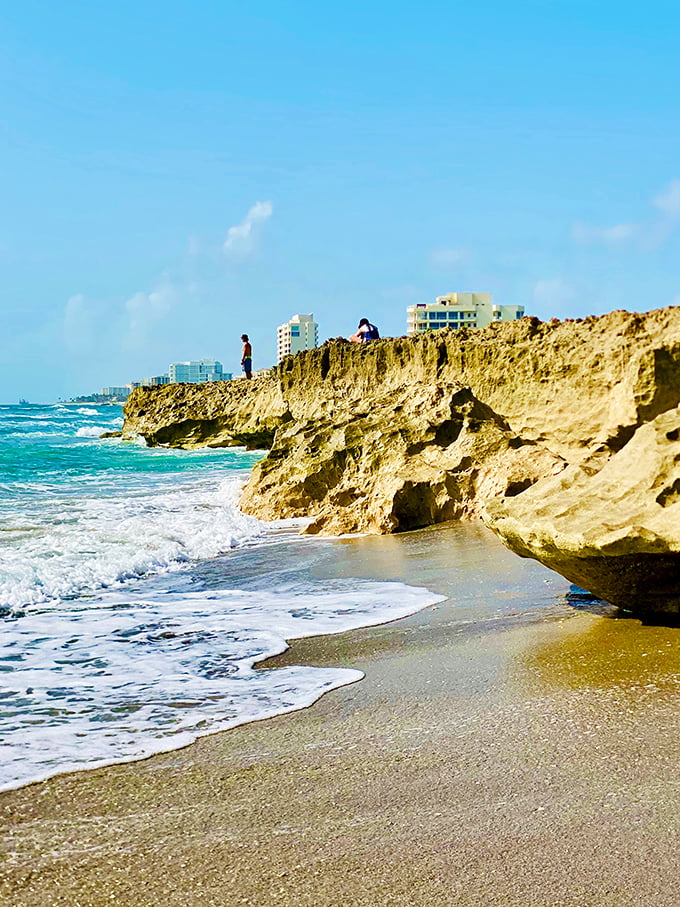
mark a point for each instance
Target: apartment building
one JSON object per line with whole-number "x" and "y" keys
{"x": 300, "y": 333}
{"x": 156, "y": 380}
{"x": 121, "y": 392}
{"x": 196, "y": 372}
{"x": 456, "y": 310}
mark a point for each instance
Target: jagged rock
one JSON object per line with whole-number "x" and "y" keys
{"x": 409, "y": 458}
{"x": 217, "y": 414}
{"x": 558, "y": 433}
{"x": 614, "y": 531}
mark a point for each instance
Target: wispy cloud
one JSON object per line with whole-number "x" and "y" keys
{"x": 645, "y": 235}
{"x": 586, "y": 234}
{"x": 174, "y": 315}
{"x": 145, "y": 309}
{"x": 94, "y": 327}
{"x": 241, "y": 238}
{"x": 668, "y": 201}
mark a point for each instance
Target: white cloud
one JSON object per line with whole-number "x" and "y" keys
{"x": 89, "y": 326}
{"x": 447, "y": 258}
{"x": 241, "y": 238}
{"x": 585, "y": 234}
{"x": 79, "y": 324}
{"x": 92, "y": 327}
{"x": 145, "y": 309}
{"x": 668, "y": 201}
{"x": 647, "y": 236}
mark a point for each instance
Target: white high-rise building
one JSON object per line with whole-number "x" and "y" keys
{"x": 456, "y": 310}
{"x": 300, "y": 333}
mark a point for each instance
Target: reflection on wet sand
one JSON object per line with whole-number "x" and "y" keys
{"x": 603, "y": 652}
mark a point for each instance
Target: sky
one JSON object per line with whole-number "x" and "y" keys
{"x": 173, "y": 174}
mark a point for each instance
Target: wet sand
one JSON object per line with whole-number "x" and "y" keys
{"x": 503, "y": 749}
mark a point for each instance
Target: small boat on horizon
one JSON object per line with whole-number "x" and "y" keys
{"x": 23, "y": 402}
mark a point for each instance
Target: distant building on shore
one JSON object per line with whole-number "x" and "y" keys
{"x": 193, "y": 372}
{"x": 120, "y": 393}
{"x": 456, "y": 310}
{"x": 300, "y": 333}
{"x": 153, "y": 382}
{"x": 196, "y": 372}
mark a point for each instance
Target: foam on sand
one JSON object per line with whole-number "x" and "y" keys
{"x": 119, "y": 679}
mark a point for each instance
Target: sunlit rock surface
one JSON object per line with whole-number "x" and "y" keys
{"x": 563, "y": 436}
{"x": 614, "y": 531}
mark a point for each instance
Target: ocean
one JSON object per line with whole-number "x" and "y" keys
{"x": 136, "y": 599}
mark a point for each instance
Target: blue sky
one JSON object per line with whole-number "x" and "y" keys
{"x": 174, "y": 174}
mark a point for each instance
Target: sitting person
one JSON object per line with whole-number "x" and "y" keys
{"x": 365, "y": 332}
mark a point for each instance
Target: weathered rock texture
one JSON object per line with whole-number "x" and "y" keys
{"x": 614, "y": 530}
{"x": 562, "y": 436}
{"x": 414, "y": 456}
{"x": 218, "y": 414}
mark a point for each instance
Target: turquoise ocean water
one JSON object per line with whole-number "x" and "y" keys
{"x": 136, "y": 598}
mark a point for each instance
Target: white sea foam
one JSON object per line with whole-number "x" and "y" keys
{"x": 116, "y": 679}
{"x": 93, "y": 431}
{"x": 32, "y": 428}
{"x": 124, "y": 631}
{"x": 88, "y": 542}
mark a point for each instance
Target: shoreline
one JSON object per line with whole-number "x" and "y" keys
{"x": 524, "y": 758}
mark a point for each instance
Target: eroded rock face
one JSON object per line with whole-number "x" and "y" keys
{"x": 410, "y": 458}
{"x": 563, "y": 436}
{"x": 217, "y": 414}
{"x": 613, "y": 529}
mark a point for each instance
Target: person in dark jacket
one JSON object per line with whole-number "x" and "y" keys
{"x": 365, "y": 332}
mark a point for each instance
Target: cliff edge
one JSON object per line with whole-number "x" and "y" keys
{"x": 563, "y": 436}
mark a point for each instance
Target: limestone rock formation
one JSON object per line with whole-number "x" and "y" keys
{"x": 407, "y": 458}
{"x": 562, "y": 435}
{"x": 613, "y": 529}
{"x": 217, "y": 414}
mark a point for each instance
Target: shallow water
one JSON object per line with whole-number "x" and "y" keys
{"x": 136, "y": 598}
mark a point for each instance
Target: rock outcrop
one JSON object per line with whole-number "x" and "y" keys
{"x": 562, "y": 436}
{"x": 218, "y": 414}
{"x": 407, "y": 458}
{"x": 613, "y": 530}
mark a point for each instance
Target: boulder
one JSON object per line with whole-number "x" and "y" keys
{"x": 612, "y": 528}
{"x": 237, "y": 413}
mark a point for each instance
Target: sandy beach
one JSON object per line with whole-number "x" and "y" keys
{"x": 493, "y": 755}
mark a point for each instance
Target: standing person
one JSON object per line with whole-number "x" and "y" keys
{"x": 365, "y": 332}
{"x": 247, "y": 356}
